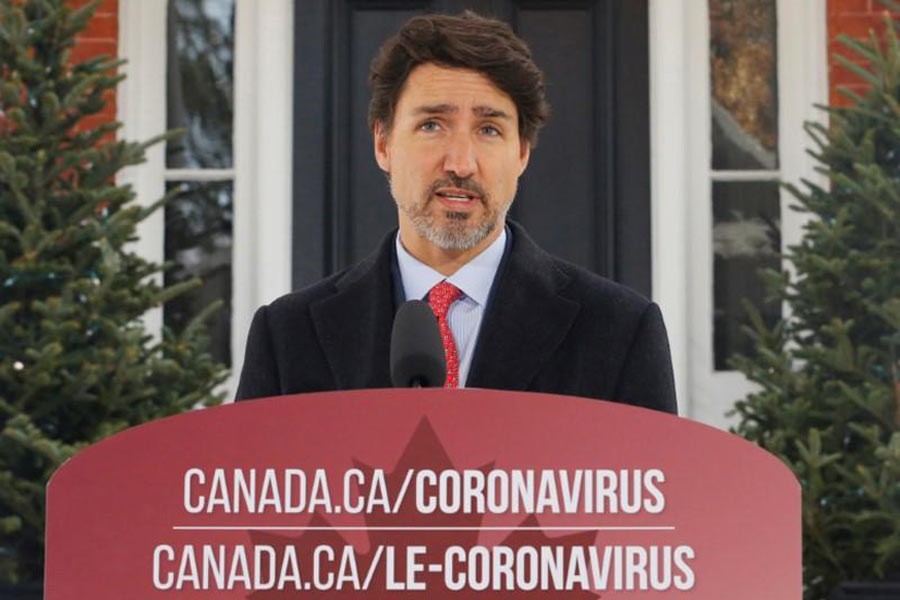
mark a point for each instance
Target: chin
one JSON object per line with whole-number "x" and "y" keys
{"x": 452, "y": 237}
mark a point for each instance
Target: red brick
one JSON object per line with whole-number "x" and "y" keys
{"x": 836, "y": 48}
{"x": 836, "y": 66}
{"x": 86, "y": 49}
{"x": 841, "y": 75}
{"x": 858, "y": 25}
{"x": 109, "y": 6}
{"x": 94, "y": 121}
{"x": 100, "y": 37}
{"x": 102, "y": 27}
{"x": 836, "y": 98}
{"x": 836, "y": 7}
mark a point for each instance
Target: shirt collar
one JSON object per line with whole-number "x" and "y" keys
{"x": 474, "y": 278}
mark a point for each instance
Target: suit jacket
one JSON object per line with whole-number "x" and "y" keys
{"x": 550, "y": 327}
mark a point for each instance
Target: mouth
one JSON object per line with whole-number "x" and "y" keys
{"x": 457, "y": 197}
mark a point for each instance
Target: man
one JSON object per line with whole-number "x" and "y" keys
{"x": 456, "y": 107}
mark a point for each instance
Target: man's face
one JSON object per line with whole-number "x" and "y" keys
{"x": 454, "y": 158}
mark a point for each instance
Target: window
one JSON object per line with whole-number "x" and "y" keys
{"x": 732, "y": 82}
{"x": 746, "y": 211}
{"x": 200, "y": 164}
{"x": 221, "y": 69}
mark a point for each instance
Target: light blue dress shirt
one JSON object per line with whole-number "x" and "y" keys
{"x": 475, "y": 279}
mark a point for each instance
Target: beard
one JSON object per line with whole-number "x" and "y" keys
{"x": 457, "y": 230}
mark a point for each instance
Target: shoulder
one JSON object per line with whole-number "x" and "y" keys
{"x": 595, "y": 292}
{"x": 531, "y": 264}
{"x": 299, "y": 301}
{"x": 372, "y": 273}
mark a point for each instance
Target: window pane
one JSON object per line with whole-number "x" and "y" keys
{"x": 746, "y": 239}
{"x": 200, "y": 82}
{"x": 199, "y": 240}
{"x": 743, "y": 68}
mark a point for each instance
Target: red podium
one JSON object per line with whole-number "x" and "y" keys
{"x": 423, "y": 493}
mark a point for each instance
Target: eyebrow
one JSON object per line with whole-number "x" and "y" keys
{"x": 442, "y": 109}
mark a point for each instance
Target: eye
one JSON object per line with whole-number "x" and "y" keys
{"x": 490, "y": 130}
{"x": 430, "y": 125}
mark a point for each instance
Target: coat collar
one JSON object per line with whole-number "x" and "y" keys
{"x": 527, "y": 318}
{"x": 354, "y": 324}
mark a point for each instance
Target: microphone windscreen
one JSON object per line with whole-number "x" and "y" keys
{"x": 417, "y": 353}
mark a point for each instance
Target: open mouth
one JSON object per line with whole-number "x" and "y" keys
{"x": 456, "y": 195}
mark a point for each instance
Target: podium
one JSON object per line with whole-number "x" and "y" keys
{"x": 423, "y": 493}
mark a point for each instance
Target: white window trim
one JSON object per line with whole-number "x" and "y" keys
{"x": 263, "y": 79}
{"x": 681, "y": 177}
{"x": 141, "y": 105}
{"x": 264, "y": 91}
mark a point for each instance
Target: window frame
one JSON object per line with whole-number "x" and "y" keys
{"x": 263, "y": 112}
{"x": 681, "y": 200}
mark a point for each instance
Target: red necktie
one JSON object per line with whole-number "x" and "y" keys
{"x": 440, "y": 298}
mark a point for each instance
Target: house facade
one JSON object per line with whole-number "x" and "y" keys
{"x": 674, "y": 122}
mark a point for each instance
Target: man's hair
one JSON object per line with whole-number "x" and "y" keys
{"x": 466, "y": 41}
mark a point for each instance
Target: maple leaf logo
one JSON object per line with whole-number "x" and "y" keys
{"x": 437, "y": 532}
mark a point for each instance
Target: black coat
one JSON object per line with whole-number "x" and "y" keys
{"x": 550, "y": 327}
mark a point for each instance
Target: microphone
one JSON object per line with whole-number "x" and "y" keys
{"x": 417, "y": 353}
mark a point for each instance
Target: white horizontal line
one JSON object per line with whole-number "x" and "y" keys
{"x": 737, "y": 176}
{"x": 511, "y": 528}
{"x": 199, "y": 174}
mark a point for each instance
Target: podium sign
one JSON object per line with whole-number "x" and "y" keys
{"x": 423, "y": 493}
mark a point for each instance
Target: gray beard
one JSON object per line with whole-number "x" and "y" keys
{"x": 456, "y": 236}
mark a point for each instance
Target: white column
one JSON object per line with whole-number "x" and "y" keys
{"x": 669, "y": 179}
{"x": 141, "y": 106}
{"x": 263, "y": 136}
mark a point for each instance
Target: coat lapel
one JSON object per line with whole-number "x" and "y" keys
{"x": 527, "y": 318}
{"x": 354, "y": 324}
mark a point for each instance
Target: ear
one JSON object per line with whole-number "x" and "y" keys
{"x": 524, "y": 155}
{"x": 382, "y": 151}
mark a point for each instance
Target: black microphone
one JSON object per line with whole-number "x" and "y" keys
{"x": 417, "y": 353}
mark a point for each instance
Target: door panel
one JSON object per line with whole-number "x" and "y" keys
{"x": 585, "y": 196}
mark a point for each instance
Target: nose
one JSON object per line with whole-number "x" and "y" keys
{"x": 460, "y": 156}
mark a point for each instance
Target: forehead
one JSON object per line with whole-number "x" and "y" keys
{"x": 462, "y": 89}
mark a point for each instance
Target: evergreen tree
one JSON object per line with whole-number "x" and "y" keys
{"x": 829, "y": 403}
{"x": 76, "y": 362}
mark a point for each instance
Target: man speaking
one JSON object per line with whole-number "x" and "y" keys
{"x": 457, "y": 103}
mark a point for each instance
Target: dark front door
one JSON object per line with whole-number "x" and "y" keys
{"x": 586, "y": 194}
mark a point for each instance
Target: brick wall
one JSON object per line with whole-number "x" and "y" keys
{"x": 101, "y": 37}
{"x": 855, "y": 18}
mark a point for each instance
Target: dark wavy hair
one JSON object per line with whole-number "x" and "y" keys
{"x": 467, "y": 41}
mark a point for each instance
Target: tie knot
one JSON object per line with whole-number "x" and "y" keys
{"x": 442, "y": 296}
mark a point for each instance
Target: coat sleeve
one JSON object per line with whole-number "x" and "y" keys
{"x": 259, "y": 376}
{"x": 646, "y": 379}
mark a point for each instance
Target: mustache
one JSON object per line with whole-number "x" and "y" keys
{"x": 463, "y": 183}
